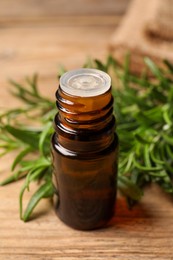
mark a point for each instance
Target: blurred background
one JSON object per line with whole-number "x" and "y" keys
{"x": 39, "y": 35}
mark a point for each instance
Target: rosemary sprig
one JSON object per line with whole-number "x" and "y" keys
{"x": 143, "y": 108}
{"x": 30, "y": 141}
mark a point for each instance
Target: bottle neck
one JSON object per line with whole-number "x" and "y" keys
{"x": 84, "y": 113}
{"x": 88, "y": 120}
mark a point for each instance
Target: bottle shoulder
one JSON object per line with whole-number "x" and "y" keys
{"x": 89, "y": 153}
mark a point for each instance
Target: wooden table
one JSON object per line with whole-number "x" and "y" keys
{"x": 38, "y": 42}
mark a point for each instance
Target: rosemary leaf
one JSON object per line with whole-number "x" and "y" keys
{"x": 26, "y": 136}
{"x": 44, "y": 191}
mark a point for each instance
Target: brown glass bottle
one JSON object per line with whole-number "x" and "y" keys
{"x": 84, "y": 148}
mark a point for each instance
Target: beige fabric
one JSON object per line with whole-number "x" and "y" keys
{"x": 146, "y": 30}
{"x": 161, "y": 24}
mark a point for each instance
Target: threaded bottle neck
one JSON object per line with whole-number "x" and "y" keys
{"x": 86, "y": 119}
{"x": 77, "y": 113}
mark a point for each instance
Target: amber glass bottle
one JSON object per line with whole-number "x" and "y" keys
{"x": 84, "y": 148}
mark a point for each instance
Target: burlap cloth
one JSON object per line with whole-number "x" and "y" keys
{"x": 146, "y": 30}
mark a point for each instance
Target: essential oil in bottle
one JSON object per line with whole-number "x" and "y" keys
{"x": 85, "y": 150}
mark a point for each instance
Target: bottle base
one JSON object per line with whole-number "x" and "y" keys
{"x": 85, "y": 223}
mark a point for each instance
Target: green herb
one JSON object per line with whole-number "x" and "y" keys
{"x": 30, "y": 141}
{"x": 143, "y": 108}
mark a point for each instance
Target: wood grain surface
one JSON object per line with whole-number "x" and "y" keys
{"x": 39, "y": 43}
{"x": 15, "y": 8}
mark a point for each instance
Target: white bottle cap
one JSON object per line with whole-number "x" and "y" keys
{"x": 85, "y": 82}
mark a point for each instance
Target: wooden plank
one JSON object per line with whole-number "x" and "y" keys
{"x": 16, "y": 8}
{"x": 56, "y": 21}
